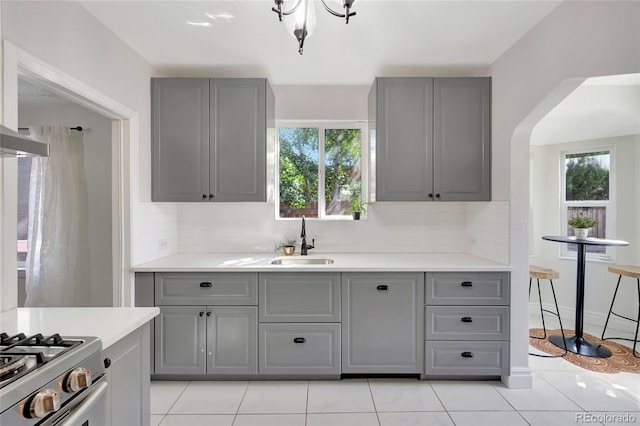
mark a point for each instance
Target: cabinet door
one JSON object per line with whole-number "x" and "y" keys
{"x": 180, "y": 139}
{"x": 300, "y": 349}
{"x": 462, "y": 139}
{"x": 232, "y": 340}
{"x": 382, "y": 322}
{"x": 404, "y": 139}
{"x": 180, "y": 340}
{"x": 299, "y": 297}
{"x": 238, "y": 139}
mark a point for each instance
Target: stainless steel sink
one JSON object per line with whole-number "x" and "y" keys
{"x": 302, "y": 261}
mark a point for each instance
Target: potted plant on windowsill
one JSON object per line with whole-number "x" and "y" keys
{"x": 581, "y": 226}
{"x": 288, "y": 247}
{"x": 357, "y": 208}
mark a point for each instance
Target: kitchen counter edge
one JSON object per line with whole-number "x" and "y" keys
{"x": 107, "y": 323}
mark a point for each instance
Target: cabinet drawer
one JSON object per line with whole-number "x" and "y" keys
{"x": 292, "y": 297}
{"x": 466, "y": 323}
{"x": 206, "y": 289}
{"x": 306, "y": 349}
{"x": 465, "y": 358}
{"x": 467, "y": 288}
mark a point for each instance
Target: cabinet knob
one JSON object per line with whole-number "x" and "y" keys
{"x": 299, "y": 340}
{"x": 466, "y": 284}
{"x": 382, "y": 287}
{"x": 210, "y": 196}
{"x": 430, "y": 195}
{"x": 201, "y": 314}
{"x": 206, "y": 284}
{"x": 204, "y": 196}
{"x": 438, "y": 196}
{"x": 467, "y": 354}
{"x": 209, "y": 313}
{"x": 466, "y": 319}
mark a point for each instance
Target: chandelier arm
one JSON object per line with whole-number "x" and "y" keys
{"x": 293, "y": 9}
{"x": 331, "y": 11}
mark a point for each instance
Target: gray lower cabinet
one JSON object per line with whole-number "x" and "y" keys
{"x": 196, "y": 340}
{"x": 432, "y": 138}
{"x": 180, "y": 340}
{"x": 311, "y": 349}
{"x": 128, "y": 378}
{"x": 192, "y": 288}
{"x": 466, "y": 324}
{"x": 299, "y": 297}
{"x": 382, "y": 322}
{"x": 209, "y": 138}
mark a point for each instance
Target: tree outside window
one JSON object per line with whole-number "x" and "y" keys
{"x": 586, "y": 188}
{"x": 318, "y": 163}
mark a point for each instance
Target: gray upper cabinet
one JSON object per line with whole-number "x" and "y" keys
{"x": 382, "y": 319}
{"x": 432, "y": 138}
{"x": 404, "y": 138}
{"x": 462, "y": 139}
{"x": 180, "y": 138}
{"x": 209, "y": 138}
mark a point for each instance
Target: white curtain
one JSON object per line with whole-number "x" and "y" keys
{"x": 57, "y": 270}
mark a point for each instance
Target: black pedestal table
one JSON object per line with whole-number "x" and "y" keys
{"x": 578, "y": 344}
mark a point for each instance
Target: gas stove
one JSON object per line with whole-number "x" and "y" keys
{"x": 46, "y": 379}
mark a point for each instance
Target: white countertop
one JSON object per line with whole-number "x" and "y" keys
{"x": 343, "y": 262}
{"x": 109, "y": 324}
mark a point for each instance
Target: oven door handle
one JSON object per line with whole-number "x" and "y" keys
{"x": 80, "y": 412}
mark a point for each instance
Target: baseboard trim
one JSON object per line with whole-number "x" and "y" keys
{"x": 519, "y": 378}
{"x": 590, "y": 317}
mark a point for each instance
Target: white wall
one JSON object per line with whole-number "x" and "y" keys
{"x": 67, "y": 37}
{"x": 546, "y": 221}
{"x": 575, "y": 41}
{"x": 96, "y": 141}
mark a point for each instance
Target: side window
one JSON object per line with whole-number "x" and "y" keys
{"x": 587, "y": 191}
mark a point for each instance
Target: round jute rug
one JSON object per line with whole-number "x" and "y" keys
{"x": 622, "y": 358}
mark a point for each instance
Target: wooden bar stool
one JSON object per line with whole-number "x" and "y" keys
{"x": 627, "y": 271}
{"x": 540, "y": 273}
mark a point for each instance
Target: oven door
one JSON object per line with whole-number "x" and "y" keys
{"x": 90, "y": 409}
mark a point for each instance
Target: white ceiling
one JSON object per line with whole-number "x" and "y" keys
{"x": 385, "y": 38}
{"x": 602, "y": 107}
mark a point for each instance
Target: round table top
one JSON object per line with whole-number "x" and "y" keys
{"x": 588, "y": 241}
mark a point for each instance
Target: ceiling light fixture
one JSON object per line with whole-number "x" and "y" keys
{"x": 300, "y": 20}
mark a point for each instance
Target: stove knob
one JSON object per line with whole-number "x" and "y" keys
{"x": 78, "y": 379}
{"x": 43, "y": 403}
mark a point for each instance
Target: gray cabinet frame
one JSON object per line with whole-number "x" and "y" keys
{"x": 432, "y": 138}
{"x": 382, "y": 322}
{"x": 209, "y": 138}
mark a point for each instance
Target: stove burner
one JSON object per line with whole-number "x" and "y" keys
{"x": 20, "y": 354}
{"x": 10, "y": 365}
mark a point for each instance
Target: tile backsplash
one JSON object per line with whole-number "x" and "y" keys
{"x": 481, "y": 229}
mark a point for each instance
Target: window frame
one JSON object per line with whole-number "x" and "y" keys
{"x": 610, "y": 223}
{"x": 323, "y": 125}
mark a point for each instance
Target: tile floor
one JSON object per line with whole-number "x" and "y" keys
{"x": 562, "y": 394}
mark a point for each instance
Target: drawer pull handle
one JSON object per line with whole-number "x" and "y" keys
{"x": 467, "y": 354}
{"x": 206, "y": 284}
{"x": 201, "y": 314}
{"x": 466, "y": 319}
{"x": 383, "y": 287}
{"x": 466, "y": 284}
{"x": 299, "y": 340}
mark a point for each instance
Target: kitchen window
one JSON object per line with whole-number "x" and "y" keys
{"x": 587, "y": 190}
{"x": 319, "y": 170}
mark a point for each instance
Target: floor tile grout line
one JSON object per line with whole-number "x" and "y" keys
{"x": 246, "y": 389}
{"x": 373, "y": 401}
{"x": 176, "y": 400}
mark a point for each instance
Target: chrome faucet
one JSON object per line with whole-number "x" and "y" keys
{"x": 304, "y": 246}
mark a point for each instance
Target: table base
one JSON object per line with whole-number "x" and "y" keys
{"x": 581, "y": 346}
